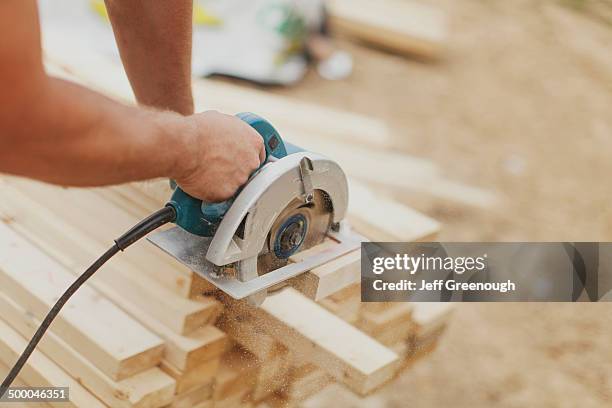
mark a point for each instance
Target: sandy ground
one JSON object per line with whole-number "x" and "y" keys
{"x": 522, "y": 106}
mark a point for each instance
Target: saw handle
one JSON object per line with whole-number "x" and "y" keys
{"x": 201, "y": 218}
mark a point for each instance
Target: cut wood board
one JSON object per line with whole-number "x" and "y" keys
{"x": 305, "y": 380}
{"x": 377, "y": 321}
{"x": 117, "y": 344}
{"x": 430, "y": 316}
{"x": 391, "y": 326}
{"x": 64, "y": 243}
{"x": 402, "y": 26}
{"x": 314, "y": 335}
{"x": 148, "y": 389}
{"x": 40, "y": 371}
{"x": 193, "y": 378}
{"x": 190, "y": 351}
{"x": 272, "y": 375}
{"x": 335, "y": 395}
{"x": 193, "y": 398}
{"x": 347, "y": 310}
{"x": 329, "y": 278}
{"x": 236, "y": 376}
{"x": 242, "y": 329}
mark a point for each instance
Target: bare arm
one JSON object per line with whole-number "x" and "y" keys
{"x": 154, "y": 39}
{"x": 63, "y": 133}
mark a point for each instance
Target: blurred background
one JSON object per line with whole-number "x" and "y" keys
{"x": 510, "y": 98}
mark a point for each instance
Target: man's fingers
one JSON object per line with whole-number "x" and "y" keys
{"x": 258, "y": 144}
{"x": 262, "y": 154}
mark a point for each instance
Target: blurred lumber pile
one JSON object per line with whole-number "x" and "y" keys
{"x": 147, "y": 332}
{"x": 401, "y": 26}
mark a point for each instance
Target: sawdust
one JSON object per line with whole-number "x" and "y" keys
{"x": 522, "y": 106}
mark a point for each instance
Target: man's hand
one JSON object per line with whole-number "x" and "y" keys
{"x": 221, "y": 154}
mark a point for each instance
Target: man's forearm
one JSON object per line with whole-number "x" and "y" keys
{"x": 74, "y": 136}
{"x": 63, "y": 133}
{"x": 154, "y": 39}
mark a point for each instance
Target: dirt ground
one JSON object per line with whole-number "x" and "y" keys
{"x": 522, "y": 105}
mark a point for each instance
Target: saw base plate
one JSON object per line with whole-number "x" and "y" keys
{"x": 190, "y": 250}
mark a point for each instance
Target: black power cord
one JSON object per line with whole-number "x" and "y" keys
{"x": 151, "y": 223}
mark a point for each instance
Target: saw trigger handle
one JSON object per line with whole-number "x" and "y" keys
{"x": 201, "y": 218}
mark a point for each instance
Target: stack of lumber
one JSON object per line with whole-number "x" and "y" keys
{"x": 401, "y": 26}
{"x": 147, "y": 332}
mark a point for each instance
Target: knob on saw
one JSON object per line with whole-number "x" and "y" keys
{"x": 202, "y": 218}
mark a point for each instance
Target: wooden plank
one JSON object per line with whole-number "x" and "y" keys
{"x": 272, "y": 375}
{"x": 148, "y": 389}
{"x": 243, "y": 330}
{"x": 347, "y": 309}
{"x": 277, "y": 401}
{"x": 193, "y": 398}
{"x": 65, "y": 244}
{"x": 343, "y": 351}
{"x": 117, "y": 344}
{"x": 205, "y": 404}
{"x": 401, "y": 26}
{"x": 40, "y": 371}
{"x": 377, "y": 321}
{"x": 236, "y": 375}
{"x": 429, "y": 317}
{"x": 326, "y": 279}
{"x": 377, "y": 307}
{"x": 188, "y": 352}
{"x": 130, "y": 272}
{"x": 384, "y": 220}
{"x": 430, "y": 321}
{"x": 191, "y": 379}
{"x": 306, "y": 380}
{"x": 390, "y": 326}
{"x": 335, "y": 395}
{"x": 238, "y": 400}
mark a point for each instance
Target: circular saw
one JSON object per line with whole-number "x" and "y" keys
{"x": 245, "y": 246}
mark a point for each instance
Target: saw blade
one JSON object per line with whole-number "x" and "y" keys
{"x": 318, "y": 217}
